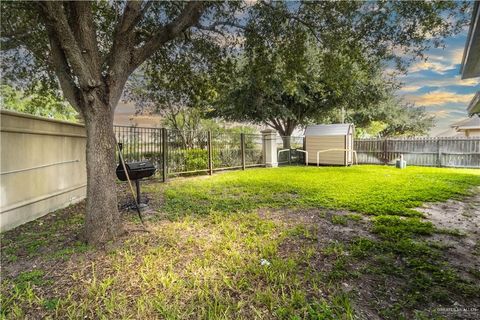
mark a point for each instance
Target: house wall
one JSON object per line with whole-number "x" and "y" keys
{"x": 472, "y": 133}
{"x": 42, "y": 167}
{"x": 316, "y": 143}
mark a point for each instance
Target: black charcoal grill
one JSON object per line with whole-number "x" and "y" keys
{"x": 136, "y": 171}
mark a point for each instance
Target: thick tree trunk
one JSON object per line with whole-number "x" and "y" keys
{"x": 286, "y": 142}
{"x": 93, "y": 84}
{"x": 102, "y": 222}
{"x": 285, "y": 129}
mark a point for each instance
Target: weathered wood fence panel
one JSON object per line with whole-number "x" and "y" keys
{"x": 439, "y": 152}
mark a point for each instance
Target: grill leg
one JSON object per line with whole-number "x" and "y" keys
{"x": 137, "y": 184}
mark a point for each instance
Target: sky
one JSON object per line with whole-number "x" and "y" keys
{"x": 436, "y": 84}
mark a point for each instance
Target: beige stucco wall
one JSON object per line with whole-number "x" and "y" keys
{"x": 42, "y": 167}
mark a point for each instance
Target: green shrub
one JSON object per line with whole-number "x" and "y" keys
{"x": 196, "y": 159}
{"x": 188, "y": 160}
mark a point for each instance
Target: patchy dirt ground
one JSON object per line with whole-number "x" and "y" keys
{"x": 457, "y": 220}
{"x": 331, "y": 229}
{"x": 462, "y": 242}
{"x": 463, "y": 215}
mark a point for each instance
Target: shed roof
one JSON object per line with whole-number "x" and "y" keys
{"x": 329, "y": 129}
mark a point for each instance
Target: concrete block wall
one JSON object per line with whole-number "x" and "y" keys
{"x": 42, "y": 166}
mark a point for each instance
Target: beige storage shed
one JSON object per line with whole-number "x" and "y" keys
{"x": 330, "y": 144}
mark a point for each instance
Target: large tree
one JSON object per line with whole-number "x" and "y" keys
{"x": 90, "y": 49}
{"x": 294, "y": 82}
{"x": 302, "y": 60}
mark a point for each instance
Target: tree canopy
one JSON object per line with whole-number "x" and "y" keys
{"x": 286, "y": 79}
{"x": 297, "y": 67}
{"x": 179, "y": 84}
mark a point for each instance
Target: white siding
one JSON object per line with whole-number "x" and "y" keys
{"x": 314, "y": 144}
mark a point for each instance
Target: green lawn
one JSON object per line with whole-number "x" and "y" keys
{"x": 337, "y": 243}
{"x": 375, "y": 190}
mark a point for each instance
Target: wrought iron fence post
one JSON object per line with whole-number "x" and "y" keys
{"x": 209, "y": 148}
{"x": 242, "y": 149}
{"x": 164, "y": 154}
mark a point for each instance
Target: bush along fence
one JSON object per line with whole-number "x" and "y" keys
{"x": 188, "y": 152}
{"x": 460, "y": 152}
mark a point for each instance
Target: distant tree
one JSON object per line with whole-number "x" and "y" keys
{"x": 391, "y": 118}
{"x": 42, "y": 102}
{"x": 179, "y": 85}
{"x": 294, "y": 82}
{"x": 405, "y": 119}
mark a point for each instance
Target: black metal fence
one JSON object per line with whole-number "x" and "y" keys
{"x": 287, "y": 150}
{"x": 176, "y": 152}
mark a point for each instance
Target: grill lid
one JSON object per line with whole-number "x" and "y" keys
{"x": 136, "y": 170}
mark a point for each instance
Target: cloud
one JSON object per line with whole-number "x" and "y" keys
{"x": 441, "y": 114}
{"x": 410, "y": 88}
{"x": 436, "y": 83}
{"x": 420, "y": 80}
{"x": 438, "y": 98}
{"x": 447, "y": 81}
{"x": 440, "y": 60}
{"x": 457, "y": 55}
{"x": 436, "y": 65}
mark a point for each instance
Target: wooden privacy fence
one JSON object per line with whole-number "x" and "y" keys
{"x": 439, "y": 152}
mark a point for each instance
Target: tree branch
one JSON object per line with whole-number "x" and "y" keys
{"x": 119, "y": 59}
{"x": 188, "y": 17}
{"x": 132, "y": 14}
{"x": 288, "y": 15}
{"x": 57, "y": 23}
{"x": 59, "y": 63}
{"x": 83, "y": 28}
{"x": 277, "y": 125}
